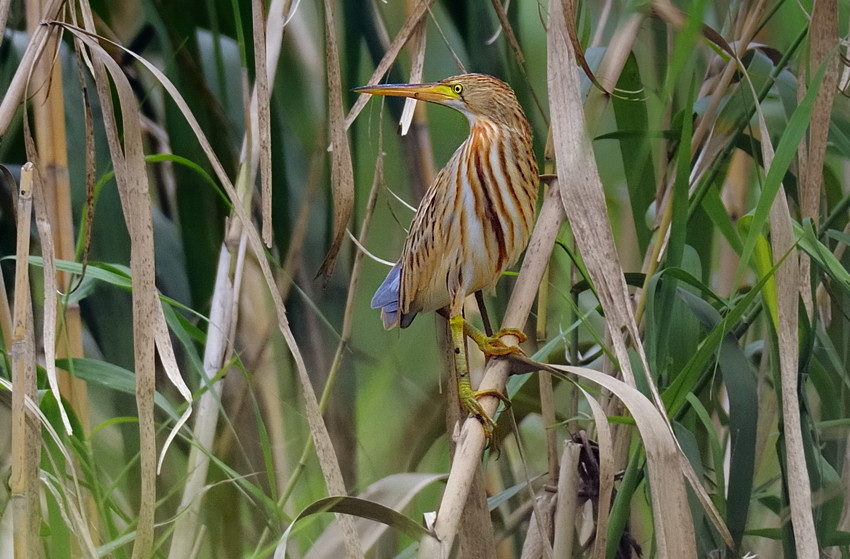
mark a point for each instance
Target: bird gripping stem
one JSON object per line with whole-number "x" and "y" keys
{"x": 468, "y": 396}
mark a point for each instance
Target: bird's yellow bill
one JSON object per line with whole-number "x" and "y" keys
{"x": 435, "y": 92}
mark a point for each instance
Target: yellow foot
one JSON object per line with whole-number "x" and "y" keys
{"x": 493, "y": 345}
{"x": 469, "y": 400}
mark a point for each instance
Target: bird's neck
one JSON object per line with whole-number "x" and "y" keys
{"x": 482, "y": 130}
{"x": 488, "y": 130}
{"x": 483, "y": 133}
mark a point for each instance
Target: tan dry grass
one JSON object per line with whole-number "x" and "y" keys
{"x": 788, "y": 284}
{"x": 23, "y": 482}
{"x": 342, "y": 170}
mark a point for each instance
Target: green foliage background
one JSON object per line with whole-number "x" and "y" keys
{"x": 709, "y": 318}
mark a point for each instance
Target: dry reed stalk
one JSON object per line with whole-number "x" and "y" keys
{"x": 540, "y": 528}
{"x": 5, "y": 309}
{"x": 616, "y": 55}
{"x": 474, "y": 528}
{"x": 736, "y": 185}
{"x": 23, "y": 482}
{"x": 65, "y": 331}
{"x": 787, "y": 276}
{"x": 544, "y": 381}
{"x": 15, "y": 92}
{"x": 215, "y": 351}
{"x": 787, "y": 286}
{"x": 52, "y": 210}
{"x": 567, "y": 507}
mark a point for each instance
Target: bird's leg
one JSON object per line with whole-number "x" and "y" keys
{"x": 468, "y": 396}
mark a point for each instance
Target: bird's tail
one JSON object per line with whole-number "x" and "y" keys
{"x": 386, "y": 298}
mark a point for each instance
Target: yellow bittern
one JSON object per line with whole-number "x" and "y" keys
{"x": 473, "y": 222}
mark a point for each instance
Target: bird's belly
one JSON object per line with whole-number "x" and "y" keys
{"x": 485, "y": 267}
{"x": 471, "y": 271}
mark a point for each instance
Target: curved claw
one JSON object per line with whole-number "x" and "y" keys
{"x": 469, "y": 400}
{"x": 493, "y": 345}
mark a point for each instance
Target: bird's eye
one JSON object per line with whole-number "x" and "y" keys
{"x": 457, "y": 88}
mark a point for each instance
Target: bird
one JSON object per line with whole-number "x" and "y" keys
{"x": 472, "y": 224}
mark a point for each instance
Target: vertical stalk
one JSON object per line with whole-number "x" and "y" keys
{"x": 547, "y": 391}
{"x": 565, "y": 510}
{"x": 206, "y": 416}
{"x": 25, "y": 442}
{"x": 51, "y": 140}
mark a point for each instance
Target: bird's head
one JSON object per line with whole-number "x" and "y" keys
{"x": 478, "y": 96}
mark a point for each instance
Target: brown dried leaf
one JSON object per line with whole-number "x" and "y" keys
{"x": 131, "y": 178}
{"x": 263, "y": 135}
{"x": 582, "y": 196}
{"x": 824, "y": 41}
{"x": 45, "y": 234}
{"x": 342, "y": 170}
